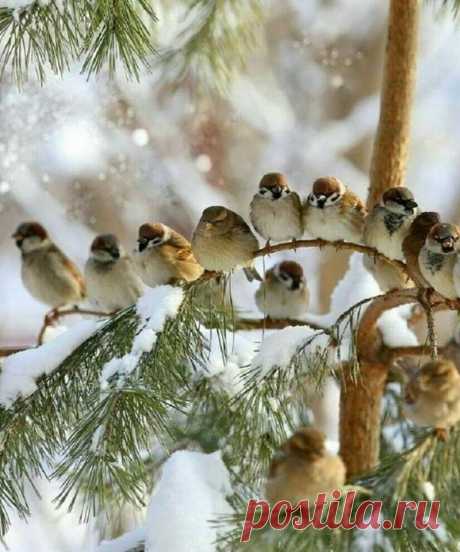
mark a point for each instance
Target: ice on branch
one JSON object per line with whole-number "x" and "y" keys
{"x": 21, "y": 371}
{"x": 188, "y": 498}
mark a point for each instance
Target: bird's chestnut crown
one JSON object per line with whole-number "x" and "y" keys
{"x": 443, "y": 238}
{"x": 152, "y": 235}
{"x": 274, "y": 186}
{"x": 290, "y": 274}
{"x": 327, "y": 191}
{"x": 30, "y": 235}
{"x": 105, "y": 247}
{"x": 399, "y": 200}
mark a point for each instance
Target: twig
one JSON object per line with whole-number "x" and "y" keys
{"x": 7, "y": 351}
{"x": 324, "y": 243}
{"x": 275, "y": 324}
{"x": 55, "y": 314}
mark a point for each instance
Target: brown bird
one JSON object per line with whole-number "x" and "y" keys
{"x": 111, "y": 276}
{"x": 432, "y": 396}
{"x": 276, "y": 211}
{"x": 388, "y": 223}
{"x": 333, "y": 212}
{"x": 415, "y": 240}
{"x": 223, "y": 241}
{"x": 47, "y": 273}
{"x": 284, "y": 292}
{"x": 164, "y": 256}
{"x": 303, "y": 468}
{"x": 385, "y": 229}
{"x": 437, "y": 258}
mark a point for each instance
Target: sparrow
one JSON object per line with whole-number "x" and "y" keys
{"x": 303, "y": 468}
{"x": 432, "y": 396}
{"x": 437, "y": 259}
{"x": 385, "y": 229}
{"x": 164, "y": 256}
{"x": 275, "y": 210}
{"x": 389, "y": 223}
{"x": 111, "y": 278}
{"x": 48, "y": 275}
{"x": 332, "y": 212}
{"x": 284, "y": 292}
{"x": 223, "y": 241}
{"x": 414, "y": 241}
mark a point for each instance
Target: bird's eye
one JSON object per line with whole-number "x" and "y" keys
{"x": 287, "y": 192}
{"x": 263, "y": 191}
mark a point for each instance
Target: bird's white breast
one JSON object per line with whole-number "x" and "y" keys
{"x": 278, "y": 220}
{"x": 441, "y": 280}
{"x": 330, "y": 224}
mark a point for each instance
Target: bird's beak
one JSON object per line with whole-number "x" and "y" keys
{"x": 142, "y": 244}
{"x": 447, "y": 245}
{"x": 295, "y": 284}
{"x": 16, "y": 236}
{"x": 321, "y": 201}
{"x": 277, "y": 192}
{"x": 410, "y": 204}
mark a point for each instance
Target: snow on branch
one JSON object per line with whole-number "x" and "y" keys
{"x": 21, "y": 371}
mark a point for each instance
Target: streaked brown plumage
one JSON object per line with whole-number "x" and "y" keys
{"x": 165, "y": 256}
{"x": 303, "y": 468}
{"x": 333, "y": 212}
{"x": 415, "y": 240}
{"x": 47, "y": 273}
{"x": 222, "y": 241}
{"x": 432, "y": 396}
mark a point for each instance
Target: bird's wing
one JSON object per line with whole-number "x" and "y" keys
{"x": 69, "y": 266}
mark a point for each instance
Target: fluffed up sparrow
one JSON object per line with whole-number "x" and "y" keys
{"x": 432, "y": 396}
{"x": 388, "y": 223}
{"x": 303, "y": 468}
{"x": 385, "y": 229}
{"x": 222, "y": 241}
{"x": 48, "y": 275}
{"x": 164, "y": 256}
{"x": 415, "y": 240}
{"x": 333, "y": 212}
{"x": 275, "y": 210}
{"x": 111, "y": 278}
{"x": 284, "y": 292}
{"x": 437, "y": 259}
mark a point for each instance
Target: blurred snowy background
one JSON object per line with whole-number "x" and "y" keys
{"x": 89, "y": 157}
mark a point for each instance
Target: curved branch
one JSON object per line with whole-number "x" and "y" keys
{"x": 347, "y": 246}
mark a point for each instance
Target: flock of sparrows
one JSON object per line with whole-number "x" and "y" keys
{"x": 223, "y": 241}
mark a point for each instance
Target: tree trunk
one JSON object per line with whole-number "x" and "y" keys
{"x": 361, "y": 400}
{"x": 391, "y": 145}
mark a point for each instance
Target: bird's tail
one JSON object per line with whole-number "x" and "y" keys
{"x": 252, "y": 274}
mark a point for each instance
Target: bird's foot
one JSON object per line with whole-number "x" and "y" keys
{"x": 441, "y": 433}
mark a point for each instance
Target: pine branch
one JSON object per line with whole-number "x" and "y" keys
{"x": 214, "y": 42}
{"x": 57, "y": 34}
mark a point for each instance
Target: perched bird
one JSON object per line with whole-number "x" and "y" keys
{"x": 332, "y": 212}
{"x": 437, "y": 259}
{"x": 385, "y": 229}
{"x": 49, "y": 276}
{"x": 111, "y": 278}
{"x": 276, "y": 211}
{"x": 303, "y": 468}
{"x": 388, "y": 223}
{"x": 223, "y": 241}
{"x": 164, "y": 256}
{"x": 432, "y": 396}
{"x": 415, "y": 240}
{"x": 284, "y": 292}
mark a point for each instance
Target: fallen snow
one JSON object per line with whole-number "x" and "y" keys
{"x": 124, "y": 543}
{"x": 278, "y": 348}
{"x": 21, "y": 371}
{"x": 187, "y": 499}
{"x": 223, "y": 366}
